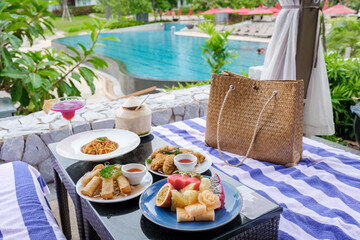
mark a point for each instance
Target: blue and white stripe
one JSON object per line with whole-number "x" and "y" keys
{"x": 25, "y": 212}
{"x": 320, "y": 196}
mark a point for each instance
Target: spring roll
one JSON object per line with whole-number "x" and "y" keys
{"x": 208, "y": 216}
{"x": 99, "y": 166}
{"x": 87, "y": 177}
{"x": 183, "y": 216}
{"x": 98, "y": 190}
{"x": 123, "y": 184}
{"x": 107, "y": 190}
{"x": 90, "y": 188}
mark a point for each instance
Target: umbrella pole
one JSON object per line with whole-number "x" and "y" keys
{"x": 306, "y": 40}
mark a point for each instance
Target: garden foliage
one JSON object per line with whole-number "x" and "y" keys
{"x": 216, "y": 50}
{"x": 344, "y": 80}
{"x": 34, "y": 76}
{"x": 344, "y": 33}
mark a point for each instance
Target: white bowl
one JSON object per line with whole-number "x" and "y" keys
{"x": 185, "y": 166}
{"x": 134, "y": 177}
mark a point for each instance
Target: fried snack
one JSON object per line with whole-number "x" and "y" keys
{"x": 200, "y": 157}
{"x": 90, "y": 188}
{"x": 123, "y": 184}
{"x": 107, "y": 190}
{"x": 184, "y": 150}
{"x": 159, "y": 150}
{"x": 99, "y": 166}
{"x": 158, "y": 161}
{"x": 169, "y": 166}
{"x": 87, "y": 178}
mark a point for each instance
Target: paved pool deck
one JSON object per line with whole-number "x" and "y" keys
{"x": 231, "y": 37}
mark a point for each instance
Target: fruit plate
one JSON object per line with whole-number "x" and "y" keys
{"x": 145, "y": 182}
{"x": 201, "y": 168}
{"x": 165, "y": 218}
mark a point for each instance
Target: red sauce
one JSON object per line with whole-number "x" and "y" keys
{"x": 185, "y": 161}
{"x": 134, "y": 170}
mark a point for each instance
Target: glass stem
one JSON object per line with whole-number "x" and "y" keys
{"x": 70, "y": 128}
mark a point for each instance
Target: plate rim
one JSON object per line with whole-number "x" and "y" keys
{"x": 78, "y": 185}
{"x": 194, "y": 230}
{"x": 207, "y": 157}
{"x": 147, "y": 134}
{"x": 101, "y": 157}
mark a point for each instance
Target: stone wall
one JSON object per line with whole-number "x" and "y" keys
{"x": 25, "y": 138}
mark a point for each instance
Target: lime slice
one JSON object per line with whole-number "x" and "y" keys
{"x": 48, "y": 105}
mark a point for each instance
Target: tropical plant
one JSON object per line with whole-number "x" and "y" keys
{"x": 345, "y": 33}
{"x": 215, "y": 50}
{"x": 34, "y": 76}
{"x": 344, "y": 80}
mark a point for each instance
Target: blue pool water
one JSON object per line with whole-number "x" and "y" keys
{"x": 160, "y": 54}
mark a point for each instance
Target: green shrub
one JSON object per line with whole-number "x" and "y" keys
{"x": 216, "y": 50}
{"x": 80, "y": 11}
{"x": 344, "y": 80}
{"x": 344, "y": 33}
{"x": 209, "y": 16}
{"x": 129, "y": 23}
{"x": 185, "y": 10}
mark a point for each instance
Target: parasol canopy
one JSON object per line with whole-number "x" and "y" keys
{"x": 275, "y": 14}
{"x": 227, "y": 10}
{"x": 278, "y": 6}
{"x": 262, "y": 6}
{"x": 242, "y": 11}
{"x": 274, "y": 9}
{"x": 326, "y": 5}
{"x": 259, "y": 11}
{"x": 339, "y": 9}
{"x": 211, "y": 11}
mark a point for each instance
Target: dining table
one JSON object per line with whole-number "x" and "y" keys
{"x": 316, "y": 199}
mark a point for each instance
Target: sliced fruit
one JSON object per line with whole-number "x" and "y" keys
{"x": 193, "y": 180}
{"x": 217, "y": 188}
{"x": 188, "y": 187}
{"x": 177, "y": 200}
{"x": 48, "y": 104}
{"x": 163, "y": 197}
{"x": 190, "y": 197}
{"x": 205, "y": 184}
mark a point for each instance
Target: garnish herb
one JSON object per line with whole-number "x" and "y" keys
{"x": 101, "y": 139}
{"x": 178, "y": 153}
{"x": 148, "y": 160}
{"x": 171, "y": 152}
{"x": 108, "y": 170}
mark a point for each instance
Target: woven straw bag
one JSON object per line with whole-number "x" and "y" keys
{"x": 258, "y": 119}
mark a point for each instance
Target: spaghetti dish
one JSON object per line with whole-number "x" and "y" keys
{"x": 99, "y": 145}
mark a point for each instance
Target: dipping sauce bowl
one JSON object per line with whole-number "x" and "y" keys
{"x": 185, "y": 162}
{"x": 134, "y": 172}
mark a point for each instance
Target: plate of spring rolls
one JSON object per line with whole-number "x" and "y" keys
{"x": 168, "y": 219}
{"x": 107, "y": 184}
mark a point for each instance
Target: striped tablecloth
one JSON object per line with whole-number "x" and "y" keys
{"x": 320, "y": 196}
{"x": 24, "y": 210}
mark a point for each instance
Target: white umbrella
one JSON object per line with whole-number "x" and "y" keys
{"x": 280, "y": 64}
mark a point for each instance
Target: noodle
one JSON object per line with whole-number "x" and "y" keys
{"x": 99, "y": 145}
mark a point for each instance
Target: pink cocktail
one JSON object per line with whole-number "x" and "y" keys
{"x": 67, "y": 106}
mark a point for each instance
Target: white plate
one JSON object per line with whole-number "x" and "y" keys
{"x": 70, "y": 147}
{"x": 146, "y": 134}
{"x": 201, "y": 168}
{"x": 146, "y": 182}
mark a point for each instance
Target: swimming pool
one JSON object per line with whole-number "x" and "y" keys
{"x": 160, "y": 54}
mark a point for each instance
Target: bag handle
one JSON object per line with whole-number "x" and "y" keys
{"x": 231, "y": 88}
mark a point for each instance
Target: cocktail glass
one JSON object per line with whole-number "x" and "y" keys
{"x": 67, "y": 106}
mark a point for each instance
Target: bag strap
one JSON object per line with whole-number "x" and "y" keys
{"x": 231, "y": 88}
